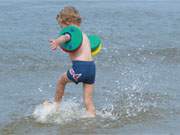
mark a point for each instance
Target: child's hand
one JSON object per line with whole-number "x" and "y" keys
{"x": 54, "y": 44}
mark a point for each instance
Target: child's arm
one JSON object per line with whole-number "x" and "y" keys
{"x": 60, "y": 40}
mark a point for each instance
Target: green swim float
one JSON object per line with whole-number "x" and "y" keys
{"x": 96, "y": 44}
{"x": 76, "y": 38}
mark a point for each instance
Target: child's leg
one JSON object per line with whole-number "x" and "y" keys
{"x": 61, "y": 83}
{"x": 88, "y": 98}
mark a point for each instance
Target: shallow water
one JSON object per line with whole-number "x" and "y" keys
{"x": 138, "y": 70}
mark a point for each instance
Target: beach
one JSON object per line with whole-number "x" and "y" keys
{"x": 138, "y": 70}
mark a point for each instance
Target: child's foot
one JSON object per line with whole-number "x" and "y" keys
{"x": 51, "y": 105}
{"x": 46, "y": 103}
{"x": 89, "y": 115}
{"x": 47, "y": 106}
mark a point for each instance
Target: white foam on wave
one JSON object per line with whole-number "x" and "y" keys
{"x": 41, "y": 113}
{"x": 69, "y": 110}
{"x": 107, "y": 112}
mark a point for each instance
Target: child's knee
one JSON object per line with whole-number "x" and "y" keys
{"x": 63, "y": 79}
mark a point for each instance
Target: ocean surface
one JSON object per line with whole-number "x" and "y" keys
{"x": 138, "y": 70}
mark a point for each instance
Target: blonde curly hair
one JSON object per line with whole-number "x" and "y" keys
{"x": 69, "y": 15}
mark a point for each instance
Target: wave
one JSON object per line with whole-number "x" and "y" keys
{"x": 116, "y": 109}
{"x": 22, "y": 62}
{"x": 135, "y": 106}
{"x": 140, "y": 56}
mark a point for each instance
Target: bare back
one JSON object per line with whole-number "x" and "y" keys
{"x": 84, "y": 52}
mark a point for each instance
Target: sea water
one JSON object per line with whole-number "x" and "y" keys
{"x": 138, "y": 70}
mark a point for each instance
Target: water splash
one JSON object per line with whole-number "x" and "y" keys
{"x": 68, "y": 111}
{"x": 126, "y": 107}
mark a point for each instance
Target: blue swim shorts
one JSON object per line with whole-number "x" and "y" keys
{"x": 82, "y": 71}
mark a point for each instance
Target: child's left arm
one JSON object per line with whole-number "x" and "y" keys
{"x": 60, "y": 40}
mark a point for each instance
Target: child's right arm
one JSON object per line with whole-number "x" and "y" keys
{"x": 60, "y": 40}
